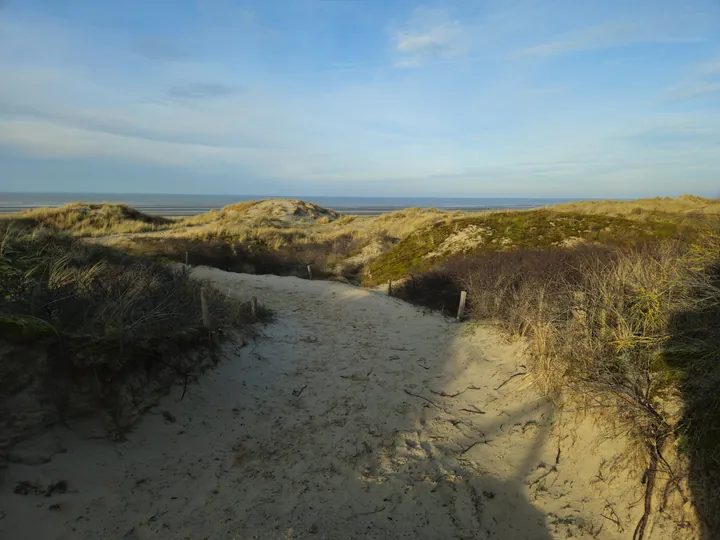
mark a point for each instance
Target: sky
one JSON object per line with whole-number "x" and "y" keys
{"x": 533, "y": 98}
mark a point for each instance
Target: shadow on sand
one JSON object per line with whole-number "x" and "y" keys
{"x": 694, "y": 350}
{"x": 424, "y": 471}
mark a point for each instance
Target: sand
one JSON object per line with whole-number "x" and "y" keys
{"x": 354, "y": 415}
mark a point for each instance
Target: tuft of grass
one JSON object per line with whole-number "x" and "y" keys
{"x": 85, "y": 219}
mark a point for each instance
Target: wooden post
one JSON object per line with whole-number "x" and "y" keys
{"x": 461, "y": 307}
{"x": 186, "y": 258}
{"x": 309, "y": 269}
{"x": 389, "y": 287}
{"x": 204, "y": 308}
{"x": 253, "y": 307}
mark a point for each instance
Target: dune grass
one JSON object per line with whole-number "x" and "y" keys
{"x": 688, "y": 209}
{"x": 86, "y": 329}
{"x": 229, "y": 214}
{"x": 84, "y": 219}
{"x": 262, "y": 213}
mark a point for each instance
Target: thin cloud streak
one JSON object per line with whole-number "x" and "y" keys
{"x": 613, "y": 34}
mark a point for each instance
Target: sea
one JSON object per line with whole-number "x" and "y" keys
{"x": 178, "y": 205}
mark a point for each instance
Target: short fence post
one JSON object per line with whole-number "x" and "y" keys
{"x": 309, "y": 269}
{"x": 186, "y": 259}
{"x": 204, "y": 308}
{"x": 253, "y": 307}
{"x": 461, "y": 307}
{"x": 389, "y": 287}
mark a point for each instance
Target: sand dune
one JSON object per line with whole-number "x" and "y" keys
{"x": 354, "y": 416}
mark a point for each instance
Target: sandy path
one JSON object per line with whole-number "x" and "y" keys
{"x": 330, "y": 426}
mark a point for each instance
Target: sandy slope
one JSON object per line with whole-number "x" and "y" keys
{"x": 332, "y": 426}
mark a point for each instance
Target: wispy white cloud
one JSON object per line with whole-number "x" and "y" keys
{"x": 429, "y": 35}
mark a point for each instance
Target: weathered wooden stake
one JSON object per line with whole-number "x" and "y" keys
{"x": 389, "y": 287}
{"x": 253, "y": 307}
{"x": 186, "y": 258}
{"x": 461, "y": 307}
{"x": 309, "y": 269}
{"x": 204, "y": 309}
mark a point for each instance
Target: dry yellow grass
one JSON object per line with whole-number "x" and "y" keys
{"x": 687, "y": 206}
{"x": 83, "y": 219}
{"x": 275, "y": 232}
{"x": 268, "y": 211}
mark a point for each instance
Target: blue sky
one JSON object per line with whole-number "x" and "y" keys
{"x": 361, "y": 97}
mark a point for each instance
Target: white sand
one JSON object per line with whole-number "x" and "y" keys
{"x": 309, "y": 433}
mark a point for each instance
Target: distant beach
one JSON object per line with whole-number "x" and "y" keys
{"x": 176, "y": 205}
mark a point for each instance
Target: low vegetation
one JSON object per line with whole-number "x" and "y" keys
{"x": 268, "y": 212}
{"x": 330, "y": 258}
{"x": 535, "y": 229}
{"x": 687, "y": 209}
{"x": 86, "y": 328}
{"x": 229, "y": 239}
{"x": 83, "y": 219}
